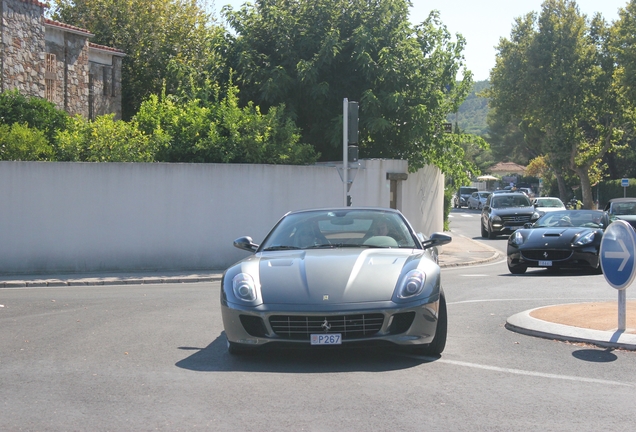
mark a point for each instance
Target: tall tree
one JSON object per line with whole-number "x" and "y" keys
{"x": 165, "y": 41}
{"x": 310, "y": 54}
{"x": 556, "y": 76}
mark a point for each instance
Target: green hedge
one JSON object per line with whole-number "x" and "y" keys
{"x": 608, "y": 189}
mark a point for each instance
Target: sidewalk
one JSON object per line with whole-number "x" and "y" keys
{"x": 592, "y": 323}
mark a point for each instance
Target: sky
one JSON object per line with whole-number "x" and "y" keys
{"x": 483, "y": 23}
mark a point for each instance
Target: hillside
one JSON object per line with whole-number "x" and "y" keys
{"x": 472, "y": 113}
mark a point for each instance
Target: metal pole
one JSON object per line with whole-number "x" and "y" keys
{"x": 345, "y": 155}
{"x": 621, "y": 309}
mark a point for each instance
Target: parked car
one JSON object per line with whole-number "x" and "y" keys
{"x": 548, "y": 204}
{"x": 460, "y": 199}
{"x": 623, "y": 209}
{"x": 504, "y": 213}
{"x": 476, "y": 200}
{"x": 526, "y": 191}
{"x": 338, "y": 276}
{"x": 560, "y": 239}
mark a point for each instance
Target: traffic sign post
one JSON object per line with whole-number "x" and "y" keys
{"x": 625, "y": 184}
{"x": 617, "y": 256}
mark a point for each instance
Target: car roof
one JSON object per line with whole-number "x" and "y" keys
{"x": 547, "y": 198}
{"x": 627, "y": 199}
{"x": 336, "y": 209}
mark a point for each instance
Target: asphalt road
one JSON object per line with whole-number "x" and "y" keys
{"x": 153, "y": 357}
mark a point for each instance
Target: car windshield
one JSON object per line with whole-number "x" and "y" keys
{"x": 510, "y": 200}
{"x": 627, "y": 208}
{"x": 322, "y": 229}
{"x": 571, "y": 218}
{"x": 549, "y": 202}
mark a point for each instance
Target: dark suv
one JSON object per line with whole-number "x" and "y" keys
{"x": 505, "y": 213}
{"x": 460, "y": 199}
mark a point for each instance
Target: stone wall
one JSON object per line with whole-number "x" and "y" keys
{"x": 23, "y": 47}
{"x": 56, "y": 61}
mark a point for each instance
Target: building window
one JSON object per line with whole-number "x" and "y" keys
{"x": 50, "y": 77}
{"x": 91, "y": 97}
{"x": 106, "y": 78}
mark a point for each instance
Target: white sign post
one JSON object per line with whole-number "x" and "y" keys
{"x": 617, "y": 256}
{"x": 345, "y": 148}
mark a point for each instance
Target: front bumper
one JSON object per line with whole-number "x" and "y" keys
{"x": 405, "y": 325}
{"x": 575, "y": 257}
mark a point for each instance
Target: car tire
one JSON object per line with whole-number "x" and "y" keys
{"x": 484, "y": 233}
{"x": 517, "y": 269}
{"x": 237, "y": 349}
{"x": 436, "y": 347}
{"x": 479, "y": 207}
{"x": 491, "y": 235}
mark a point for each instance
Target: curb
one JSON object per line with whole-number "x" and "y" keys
{"x": 43, "y": 283}
{"x": 525, "y": 324}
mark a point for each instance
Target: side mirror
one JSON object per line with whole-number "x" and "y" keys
{"x": 245, "y": 243}
{"x": 437, "y": 239}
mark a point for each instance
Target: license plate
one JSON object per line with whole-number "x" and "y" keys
{"x": 326, "y": 339}
{"x": 545, "y": 263}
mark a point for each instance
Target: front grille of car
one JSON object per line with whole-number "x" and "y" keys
{"x": 546, "y": 255}
{"x": 349, "y": 326}
{"x": 516, "y": 219}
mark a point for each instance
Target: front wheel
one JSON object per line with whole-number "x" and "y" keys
{"x": 517, "y": 269}
{"x": 436, "y": 347}
{"x": 484, "y": 233}
{"x": 491, "y": 235}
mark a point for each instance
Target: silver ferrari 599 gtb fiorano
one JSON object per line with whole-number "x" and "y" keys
{"x": 342, "y": 276}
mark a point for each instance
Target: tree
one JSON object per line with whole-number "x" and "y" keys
{"x": 310, "y": 55}
{"x": 555, "y": 77}
{"x": 171, "y": 42}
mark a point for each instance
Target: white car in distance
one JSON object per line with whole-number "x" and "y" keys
{"x": 548, "y": 204}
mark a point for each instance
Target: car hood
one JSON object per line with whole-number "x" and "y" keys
{"x": 549, "y": 237}
{"x": 505, "y": 211}
{"x": 334, "y": 275}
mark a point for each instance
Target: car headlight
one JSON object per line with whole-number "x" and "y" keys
{"x": 517, "y": 238}
{"x": 536, "y": 215}
{"x": 496, "y": 219}
{"x": 585, "y": 239}
{"x": 412, "y": 284}
{"x": 244, "y": 287}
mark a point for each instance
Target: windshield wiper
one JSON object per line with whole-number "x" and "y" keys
{"x": 321, "y": 246}
{"x": 280, "y": 247}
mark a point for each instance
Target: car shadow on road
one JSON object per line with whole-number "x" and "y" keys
{"x": 215, "y": 358}
{"x": 540, "y": 272}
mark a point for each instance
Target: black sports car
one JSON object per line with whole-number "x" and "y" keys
{"x": 561, "y": 239}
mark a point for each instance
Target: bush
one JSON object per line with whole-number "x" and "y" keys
{"x": 105, "y": 140}
{"x": 20, "y": 142}
{"x": 36, "y": 112}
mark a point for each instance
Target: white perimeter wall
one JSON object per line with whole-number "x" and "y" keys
{"x": 60, "y": 217}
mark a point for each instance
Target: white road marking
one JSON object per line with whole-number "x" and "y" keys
{"x": 535, "y": 374}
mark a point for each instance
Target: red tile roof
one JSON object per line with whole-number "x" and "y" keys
{"x": 66, "y": 26}
{"x": 105, "y": 48}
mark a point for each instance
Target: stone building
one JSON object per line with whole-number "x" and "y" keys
{"x": 56, "y": 61}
